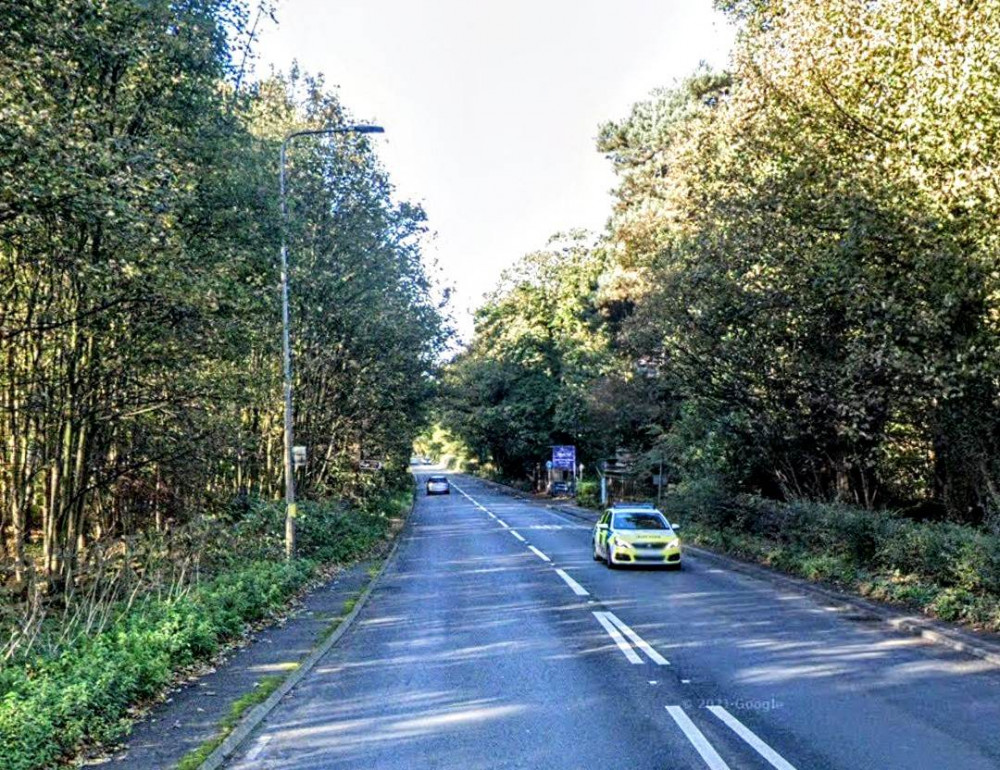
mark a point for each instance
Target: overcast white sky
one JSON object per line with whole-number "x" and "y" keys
{"x": 491, "y": 107}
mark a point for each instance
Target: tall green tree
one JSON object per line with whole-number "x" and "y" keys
{"x": 523, "y": 384}
{"x": 139, "y": 314}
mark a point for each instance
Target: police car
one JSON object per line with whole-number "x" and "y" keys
{"x": 634, "y": 533}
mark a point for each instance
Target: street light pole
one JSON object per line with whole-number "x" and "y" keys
{"x": 290, "y": 506}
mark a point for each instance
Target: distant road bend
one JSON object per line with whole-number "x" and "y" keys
{"x": 495, "y": 641}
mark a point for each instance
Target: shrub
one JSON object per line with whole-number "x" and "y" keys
{"x": 588, "y": 494}
{"x": 51, "y": 704}
{"x": 949, "y": 570}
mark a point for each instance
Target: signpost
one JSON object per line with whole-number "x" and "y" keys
{"x": 298, "y": 457}
{"x": 564, "y": 459}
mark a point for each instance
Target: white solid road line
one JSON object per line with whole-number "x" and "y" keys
{"x": 618, "y": 639}
{"x": 773, "y": 757}
{"x": 638, "y": 641}
{"x": 538, "y": 553}
{"x": 517, "y": 534}
{"x": 503, "y": 523}
{"x": 699, "y": 741}
{"x": 578, "y": 589}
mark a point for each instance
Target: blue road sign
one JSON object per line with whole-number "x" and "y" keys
{"x": 564, "y": 457}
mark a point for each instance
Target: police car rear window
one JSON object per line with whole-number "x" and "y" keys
{"x": 639, "y": 521}
{"x": 438, "y": 479}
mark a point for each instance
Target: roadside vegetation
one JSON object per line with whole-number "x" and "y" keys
{"x": 76, "y": 686}
{"x": 140, "y": 351}
{"x": 795, "y": 305}
{"x": 947, "y": 570}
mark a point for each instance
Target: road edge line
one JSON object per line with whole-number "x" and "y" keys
{"x": 259, "y": 713}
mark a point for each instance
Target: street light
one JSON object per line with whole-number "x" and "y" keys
{"x": 290, "y": 507}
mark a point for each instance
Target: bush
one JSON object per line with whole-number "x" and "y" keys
{"x": 331, "y": 534}
{"x": 50, "y": 705}
{"x": 588, "y": 494}
{"x": 949, "y": 570}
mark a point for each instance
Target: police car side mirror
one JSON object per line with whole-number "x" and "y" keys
{"x": 675, "y": 527}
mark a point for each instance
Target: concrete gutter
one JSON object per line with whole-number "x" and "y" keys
{"x": 978, "y": 645}
{"x": 259, "y": 713}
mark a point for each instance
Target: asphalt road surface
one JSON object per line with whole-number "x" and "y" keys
{"x": 495, "y": 641}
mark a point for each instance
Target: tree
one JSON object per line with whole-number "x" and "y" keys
{"x": 139, "y": 380}
{"x": 523, "y": 384}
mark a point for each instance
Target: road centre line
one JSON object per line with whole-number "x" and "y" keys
{"x": 773, "y": 757}
{"x": 617, "y": 638}
{"x": 615, "y": 628}
{"x": 578, "y": 589}
{"x": 638, "y": 641}
{"x": 698, "y": 740}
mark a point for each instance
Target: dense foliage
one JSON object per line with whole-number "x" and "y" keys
{"x": 951, "y": 571}
{"x": 81, "y": 690}
{"x": 521, "y": 384}
{"x": 139, "y": 305}
{"x": 797, "y": 294}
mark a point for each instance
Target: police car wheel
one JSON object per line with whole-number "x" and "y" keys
{"x": 597, "y": 555}
{"x": 611, "y": 563}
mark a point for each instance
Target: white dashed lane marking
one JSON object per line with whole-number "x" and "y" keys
{"x": 774, "y": 758}
{"x": 697, "y": 738}
{"x": 628, "y": 641}
{"x": 578, "y": 589}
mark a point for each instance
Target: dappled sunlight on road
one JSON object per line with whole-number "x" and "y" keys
{"x": 469, "y": 637}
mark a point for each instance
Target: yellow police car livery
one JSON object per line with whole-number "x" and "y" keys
{"x": 636, "y": 534}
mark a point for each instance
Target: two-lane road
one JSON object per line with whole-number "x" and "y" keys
{"x": 495, "y": 641}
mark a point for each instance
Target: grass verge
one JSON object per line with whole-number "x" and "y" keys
{"x": 196, "y": 757}
{"x": 79, "y": 695}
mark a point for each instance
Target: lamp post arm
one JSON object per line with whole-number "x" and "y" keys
{"x": 291, "y": 509}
